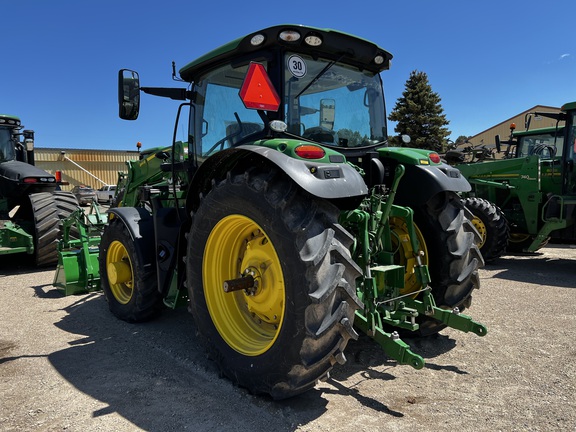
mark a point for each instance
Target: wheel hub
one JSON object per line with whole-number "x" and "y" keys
{"x": 119, "y": 272}
{"x": 481, "y": 228}
{"x": 405, "y": 254}
{"x": 248, "y": 308}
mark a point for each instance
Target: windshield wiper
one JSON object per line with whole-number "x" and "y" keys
{"x": 317, "y": 77}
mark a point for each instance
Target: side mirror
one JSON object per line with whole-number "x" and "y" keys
{"x": 128, "y": 94}
{"x": 498, "y": 145}
{"x": 406, "y": 139}
{"x": 28, "y": 140}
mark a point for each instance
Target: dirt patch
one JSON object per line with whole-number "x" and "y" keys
{"x": 67, "y": 364}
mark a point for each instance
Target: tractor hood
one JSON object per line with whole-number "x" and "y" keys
{"x": 19, "y": 178}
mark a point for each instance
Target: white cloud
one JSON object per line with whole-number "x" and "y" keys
{"x": 563, "y": 56}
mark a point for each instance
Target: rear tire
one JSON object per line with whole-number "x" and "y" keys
{"x": 454, "y": 256}
{"x": 281, "y": 336}
{"x": 492, "y": 226}
{"x": 130, "y": 287}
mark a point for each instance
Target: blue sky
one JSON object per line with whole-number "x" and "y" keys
{"x": 487, "y": 60}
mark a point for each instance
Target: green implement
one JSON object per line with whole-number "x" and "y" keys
{"x": 77, "y": 271}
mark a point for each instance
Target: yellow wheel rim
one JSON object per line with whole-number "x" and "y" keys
{"x": 248, "y": 320}
{"x": 405, "y": 255}
{"x": 119, "y": 272}
{"x": 481, "y": 228}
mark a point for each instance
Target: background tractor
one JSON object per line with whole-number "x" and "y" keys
{"x": 282, "y": 219}
{"x": 31, "y": 208}
{"x": 488, "y": 218}
{"x": 534, "y": 185}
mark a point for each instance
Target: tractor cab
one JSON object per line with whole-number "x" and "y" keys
{"x": 555, "y": 146}
{"x": 18, "y": 174}
{"x": 303, "y": 85}
{"x": 546, "y": 143}
{"x": 569, "y": 156}
{"x": 9, "y": 126}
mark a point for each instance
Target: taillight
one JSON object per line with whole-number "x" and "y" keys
{"x": 30, "y": 180}
{"x": 310, "y": 152}
{"x": 434, "y": 157}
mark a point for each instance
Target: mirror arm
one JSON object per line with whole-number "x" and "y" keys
{"x": 172, "y": 93}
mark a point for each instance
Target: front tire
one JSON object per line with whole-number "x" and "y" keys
{"x": 67, "y": 204}
{"x": 130, "y": 286}
{"x": 281, "y": 335}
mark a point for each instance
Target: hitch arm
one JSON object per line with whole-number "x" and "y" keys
{"x": 393, "y": 346}
{"x": 452, "y": 318}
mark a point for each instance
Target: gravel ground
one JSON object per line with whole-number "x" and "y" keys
{"x": 67, "y": 364}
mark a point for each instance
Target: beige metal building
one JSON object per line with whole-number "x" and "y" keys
{"x": 488, "y": 139}
{"x": 93, "y": 168}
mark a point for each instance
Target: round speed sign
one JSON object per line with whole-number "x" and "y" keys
{"x": 297, "y": 66}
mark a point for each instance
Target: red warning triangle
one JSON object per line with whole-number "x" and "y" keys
{"x": 257, "y": 91}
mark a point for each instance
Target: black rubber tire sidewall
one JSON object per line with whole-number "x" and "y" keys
{"x": 46, "y": 228}
{"x": 497, "y": 230}
{"x": 297, "y": 359}
{"x": 146, "y": 301}
{"x": 453, "y": 254}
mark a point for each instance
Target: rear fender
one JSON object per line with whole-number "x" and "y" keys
{"x": 331, "y": 181}
{"x": 422, "y": 182}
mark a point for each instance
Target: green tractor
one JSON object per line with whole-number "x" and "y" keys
{"x": 31, "y": 206}
{"x": 282, "y": 220}
{"x": 534, "y": 185}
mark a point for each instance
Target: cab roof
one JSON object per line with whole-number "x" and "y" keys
{"x": 529, "y": 132}
{"x": 354, "y": 50}
{"x": 569, "y": 106}
{"x": 9, "y": 120}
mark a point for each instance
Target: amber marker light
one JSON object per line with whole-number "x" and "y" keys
{"x": 289, "y": 36}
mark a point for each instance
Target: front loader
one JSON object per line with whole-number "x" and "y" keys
{"x": 283, "y": 221}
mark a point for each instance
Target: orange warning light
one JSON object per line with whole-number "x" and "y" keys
{"x": 257, "y": 91}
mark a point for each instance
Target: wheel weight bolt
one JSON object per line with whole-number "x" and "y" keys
{"x": 242, "y": 283}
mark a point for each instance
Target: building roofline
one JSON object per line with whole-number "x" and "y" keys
{"x": 85, "y": 149}
{"x": 514, "y": 116}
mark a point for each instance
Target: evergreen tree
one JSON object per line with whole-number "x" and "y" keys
{"x": 418, "y": 114}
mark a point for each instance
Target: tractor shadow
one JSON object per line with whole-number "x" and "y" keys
{"x": 15, "y": 264}
{"x": 365, "y": 354}
{"x": 157, "y": 375}
{"x": 540, "y": 268}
